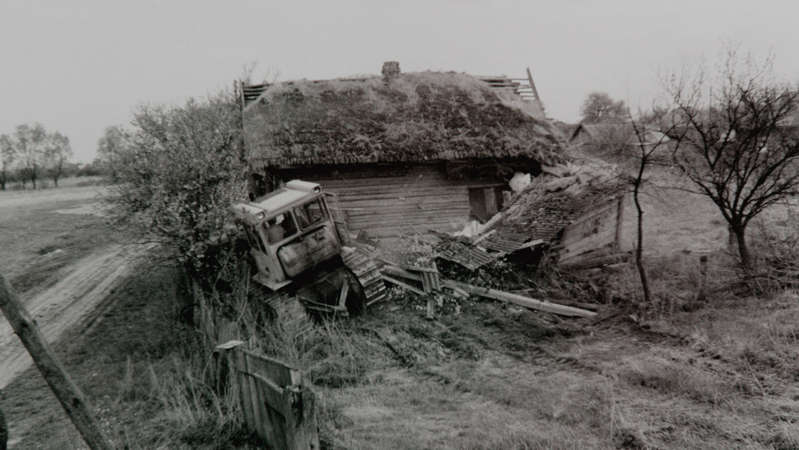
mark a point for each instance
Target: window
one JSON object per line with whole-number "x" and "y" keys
{"x": 279, "y": 227}
{"x": 310, "y": 213}
{"x": 255, "y": 242}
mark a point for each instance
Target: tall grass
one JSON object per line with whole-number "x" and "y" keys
{"x": 196, "y": 411}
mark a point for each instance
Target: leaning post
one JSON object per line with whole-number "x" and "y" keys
{"x": 67, "y": 392}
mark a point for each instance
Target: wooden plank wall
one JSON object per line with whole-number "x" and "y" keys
{"x": 275, "y": 403}
{"x": 597, "y": 230}
{"x": 390, "y": 206}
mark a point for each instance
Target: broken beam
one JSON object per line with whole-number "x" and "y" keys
{"x": 494, "y": 294}
{"x": 520, "y": 300}
{"x": 402, "y": 284}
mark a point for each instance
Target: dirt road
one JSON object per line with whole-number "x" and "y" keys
{"x": 82, "y": 287}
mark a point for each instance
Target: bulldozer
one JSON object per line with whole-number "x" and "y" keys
{"x": 297, "y": 250}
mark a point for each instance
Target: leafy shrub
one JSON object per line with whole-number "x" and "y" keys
{"x": 178, "y": 176}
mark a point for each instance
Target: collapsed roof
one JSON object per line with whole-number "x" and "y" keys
{"x": 423, "y": 116}
{"x": 538, "y": 214}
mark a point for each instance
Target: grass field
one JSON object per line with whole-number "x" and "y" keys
{"x": 488, "y": 376}
{"x": 36, "y": 239}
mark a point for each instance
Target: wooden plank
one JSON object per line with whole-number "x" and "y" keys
{"x": 397, "y": 271}
{"x": 596, "y": 229}
{"x": 274, "y": 422}
{"x": 419, "y": 209}
{"x": 587, "y": 263}
{"x": 521, "y": 300}
{"x": 402, "y": 285}
{"x": 425, "y": 223}
{"x": 273, "y": 395}
{"x": 277, "y": 371}
{"x": 245, "y": 393}
{"x": 379, "y": 225}
{"x": 444, "y": 201}
{"x": 376, "y": 198}
{"x": 254, "y": 401}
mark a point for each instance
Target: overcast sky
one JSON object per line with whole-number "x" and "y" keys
{"x": 79, "y": 66}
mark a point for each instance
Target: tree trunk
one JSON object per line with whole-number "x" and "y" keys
{"x": 743, "y": 250}
{"x": 639, "y": 245}
{"x": 3, "y": 432}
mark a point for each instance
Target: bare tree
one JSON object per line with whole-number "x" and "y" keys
{"x": 599, "y": 107}
{"x": 649, "y": 145}
{"x": 737, "y": 145}
{"x": 57, "y": 153}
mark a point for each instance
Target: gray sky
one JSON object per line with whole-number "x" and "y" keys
{"x": 80, "y": 66}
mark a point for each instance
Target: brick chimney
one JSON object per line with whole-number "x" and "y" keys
{"x": 391, "y": 70}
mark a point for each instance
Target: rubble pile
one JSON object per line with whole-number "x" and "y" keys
{"x": 557, "y": 197}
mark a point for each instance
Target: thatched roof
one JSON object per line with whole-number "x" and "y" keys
{"x": 423, "y": 116}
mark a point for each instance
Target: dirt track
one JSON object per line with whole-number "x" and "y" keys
{"x": 82, "y": 287}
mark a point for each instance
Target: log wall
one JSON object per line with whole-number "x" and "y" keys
{"x": 392, "y": 201}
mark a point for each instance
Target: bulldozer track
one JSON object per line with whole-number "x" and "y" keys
{"x": 367, "y": 271}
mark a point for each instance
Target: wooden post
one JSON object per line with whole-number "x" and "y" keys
{"x": 619, "y": 223}
{"x": 700, "y": 296}
{"x": 68, "y": 394}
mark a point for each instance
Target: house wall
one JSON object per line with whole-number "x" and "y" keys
{"x": 391, "y": 201}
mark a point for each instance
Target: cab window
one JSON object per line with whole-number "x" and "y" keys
{"x": 279, "y": 228}
{"x": 252, "y": 237}
{"x": 310, "y": 213}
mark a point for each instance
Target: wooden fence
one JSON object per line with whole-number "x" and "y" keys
{"x": 275, "y": 403}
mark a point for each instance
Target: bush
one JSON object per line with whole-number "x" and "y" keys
{"x": 178, "y": 177}
{"x": 776, "y": 250}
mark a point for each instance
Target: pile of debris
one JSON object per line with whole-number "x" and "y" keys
{"x": 537, "y": 215}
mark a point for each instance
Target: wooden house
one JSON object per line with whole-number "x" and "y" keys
{"x": 404, "y": 153}
{"x": 615, "y": 139}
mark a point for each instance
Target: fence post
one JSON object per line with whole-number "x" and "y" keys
{"x": 224, "y": 366}
{"x": 700, "y": 296}
{"x": 301, "y": 427}
{"x": 65, "y": 390}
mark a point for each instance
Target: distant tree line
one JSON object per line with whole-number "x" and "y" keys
{"x": 32, "y": 153}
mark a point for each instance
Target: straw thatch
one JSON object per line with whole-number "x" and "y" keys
{"x": 424, "y": 116}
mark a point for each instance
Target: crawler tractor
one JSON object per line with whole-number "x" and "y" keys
{"x": 296, "y": 249}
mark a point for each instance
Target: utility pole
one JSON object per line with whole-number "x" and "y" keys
{"x": 67, "y": 392}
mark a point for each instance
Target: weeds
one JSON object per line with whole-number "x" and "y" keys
{"x": 198, "y": 413}
{"x": 677, "y": 380}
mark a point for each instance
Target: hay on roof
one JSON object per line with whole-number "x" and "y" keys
{"x": 415, "y": 117}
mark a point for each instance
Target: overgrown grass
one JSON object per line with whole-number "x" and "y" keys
{"x": 484, "y": 375}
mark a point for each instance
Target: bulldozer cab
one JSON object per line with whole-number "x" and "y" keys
{"x": 290, "y": 231}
